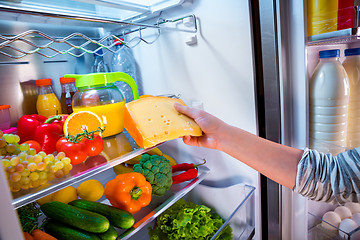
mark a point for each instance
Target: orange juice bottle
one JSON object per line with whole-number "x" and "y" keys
{"x": 47, "y": 103}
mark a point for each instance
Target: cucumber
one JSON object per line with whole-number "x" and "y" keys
{"x": 117, "y": 217}
{"x": 110, "y": 234}
{"x": 63, "y": 232}
{"x": 76, "y": 217}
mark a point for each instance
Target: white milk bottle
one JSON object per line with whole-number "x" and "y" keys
{"x": 352, "y": 68}
{"x": 328, "y": 104}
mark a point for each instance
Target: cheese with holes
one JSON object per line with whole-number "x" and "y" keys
{"x": 153, "y": 120}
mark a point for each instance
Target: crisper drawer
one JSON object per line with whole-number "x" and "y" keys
{"x": 234, "y": 204}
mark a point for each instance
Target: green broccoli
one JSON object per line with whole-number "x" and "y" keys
{"x": 157, "y": 171}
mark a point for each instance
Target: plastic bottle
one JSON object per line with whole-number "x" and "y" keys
{"x": 352, "y": 67}
{"x": 321, "y": 16}
{"x": 346, "y": 14}
{"x": 123, "y": 61}
{"x": 47, "y": 103}
{"x": 328, "y": 109}
{"x": 68, "y": 89}
{"x": 99, "y": 63}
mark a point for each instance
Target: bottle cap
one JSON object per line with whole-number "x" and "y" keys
{"x": 64, "y": 80}
{"x": 2, "y": 107}
{"x": 329, "y": 53}
{"x": 117, "y": 42}
{"x": 352, "y": 51}
{"x": 43, "y": 82}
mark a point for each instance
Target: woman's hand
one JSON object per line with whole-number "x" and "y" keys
{"x": 210, "y": 125}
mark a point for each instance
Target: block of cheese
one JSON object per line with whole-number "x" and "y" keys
{"x": 153, "y": 120}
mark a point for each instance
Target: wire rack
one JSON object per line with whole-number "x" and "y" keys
{"x": 27, "y": 43}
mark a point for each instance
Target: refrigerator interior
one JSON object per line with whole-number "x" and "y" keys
{"x": 210, "y": 68}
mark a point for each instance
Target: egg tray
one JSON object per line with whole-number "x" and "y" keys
{"x": 325, "y": 231}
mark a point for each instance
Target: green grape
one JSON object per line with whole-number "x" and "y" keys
{"x": 43, "y": 175}
{"x": 60, "y": 155}
{"x": 53, "y": 169}
{"x": 1, "y": 134}
{"x": 10, "y": 169}
{"x": 25, "y": 186}
{"x": 14, "y": 161}
{"x": 59, "y": 165}
{"x": 34, "y": 176}
{"x": 22, "y": 155}
{"x": 59, "y": 174}
{"x": 32, "y": 151}
{"x": 10, "y": 148}
{"x": 43, "y": 181}
{"x": 46, "y": 160}
{"x": 32, "y": 167}
{"x": 5, "y": 163}
{"x": 66, "y": 161}
{"x": 25, "y": 163}
{"x": 37, "y": 158}
{"x": 16, "y": 138}
{"x": 24, "y": 147}
{"x": 19, "y": 168}
{"x": 51, "y": 176}
{"x": 3, "y": 151}
{"x": 15, "y": 177}
{"x": 52, "y": 157}
{"x": 2, "y": 142}
{"x": 25, "y": 173}
{"x": 42, "y": 154}
{"x": 15, "y": 187}
{"x": 24, "y": 180}
{"x": 34, "y": 184}
{"x": 29, "y": 158}
{"x": 17, "y": 151}
{"x": 41, "y": 166}
{"x": 9, "y": 138}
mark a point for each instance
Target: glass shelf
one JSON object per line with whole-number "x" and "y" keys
{"x": 336, "y": 37}
{"x": 160, "y": 204}
{"x": 117, "y": 149}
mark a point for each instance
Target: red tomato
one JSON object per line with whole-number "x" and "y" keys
{"x": 59, "y": 144}
{"x": 75, "y": 151}
{"x": 34, "y": 144}
{"x": 93, "y": 147}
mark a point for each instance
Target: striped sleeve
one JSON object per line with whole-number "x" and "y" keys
{"x": 327, "y": 178}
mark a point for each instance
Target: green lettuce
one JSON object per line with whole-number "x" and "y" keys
{"x": 187, "y": 220}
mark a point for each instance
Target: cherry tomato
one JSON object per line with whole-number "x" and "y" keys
{"x": 93, "y": 147}
{"x": 34, "y": 144}
{"x": 59, "y": 144}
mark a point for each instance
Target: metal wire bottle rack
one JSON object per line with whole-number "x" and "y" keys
{"x": 27, "y": 43}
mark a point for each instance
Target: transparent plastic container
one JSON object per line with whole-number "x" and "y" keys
{"x": 4, "y": 117}
{"x": 98, "y": 94}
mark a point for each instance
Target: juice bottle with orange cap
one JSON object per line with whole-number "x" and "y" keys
{"x": 68, "y": 89}
{"x": 47, "y": 103}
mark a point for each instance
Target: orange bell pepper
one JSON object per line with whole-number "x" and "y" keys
{"x": 129, "y": 192}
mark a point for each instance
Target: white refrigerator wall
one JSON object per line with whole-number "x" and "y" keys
{"x": 217, "y": 72}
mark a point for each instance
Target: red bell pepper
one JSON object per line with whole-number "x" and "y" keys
{"x": 48, "y": 134}
{"x": 27, "y": 126}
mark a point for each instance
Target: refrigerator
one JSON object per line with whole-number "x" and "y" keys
{"x": 246, "y": 62}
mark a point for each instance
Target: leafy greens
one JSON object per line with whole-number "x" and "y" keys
{"x": 187, "y": 220}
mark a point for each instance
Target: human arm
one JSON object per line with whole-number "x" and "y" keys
{"x": 275, "y": 161}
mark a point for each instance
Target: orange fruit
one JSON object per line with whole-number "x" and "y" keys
{"x": 77, "y": 122}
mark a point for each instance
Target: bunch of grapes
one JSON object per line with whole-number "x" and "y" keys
{"x": 29, "y": 169}
{"x": 9, "y": 144}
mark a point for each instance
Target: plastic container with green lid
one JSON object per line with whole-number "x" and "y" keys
{"x": 4, "y": 117}
{"x": 97, "y": 93}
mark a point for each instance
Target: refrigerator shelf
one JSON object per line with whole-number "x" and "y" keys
{"x": 117, "y": 149}
{"x": 239, "y": 214}
{"x": 344, "y": 36}
{"x": 77, "y": 44}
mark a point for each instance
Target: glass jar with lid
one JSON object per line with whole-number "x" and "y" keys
{"x": 97, "y": 93}
{"x": 47, "y": 103}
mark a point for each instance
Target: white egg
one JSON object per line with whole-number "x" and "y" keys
{"x": 347, "y": 225}
{"x": 356, "y": 218}
{"x": 330, "y": 218}
{"x": 354, "y": 207}
{"x": 343, "y": 212}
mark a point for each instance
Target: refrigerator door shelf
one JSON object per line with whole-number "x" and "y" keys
{"x": 117, "y": 149}
{"x": 325, "y": 231}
